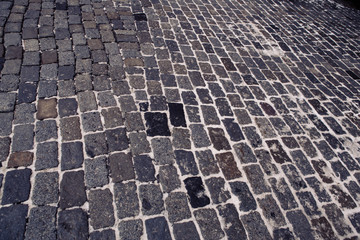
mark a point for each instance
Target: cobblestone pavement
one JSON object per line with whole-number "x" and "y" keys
{"x": 179, "y": 119}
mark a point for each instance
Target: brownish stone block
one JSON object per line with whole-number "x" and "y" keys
{"x": 46, "y": 109}
{"x": 228, "y": 165}
{"x": 20, "y": 159}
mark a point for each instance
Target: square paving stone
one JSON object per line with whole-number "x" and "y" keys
{"x": 139, "y": 143}
{"x": 108, "y": 234}
{"x": 151, "y": 198}
{"x": 126, "y": 199}
{"x": 46, "y": 187}
{"x": 91, "y": 122}
{"x": 96, "y": 172}
{"x": 45, "y": 130}
{"x": 72, "y": 190}
{"x": 101, "y": 208}
{"x": 87, "y": 101}
{"x": 70, "y": 128}
{"x": 156, "y": 124}
{"x": 134, "y": 122}
{"x": 73, "y": 224}
{"x": 46, "y": 109}
{"x": 46, "y": 155}
{"x": 67, "y": 107}
{"x": 117, "y": 139}
{"x": 23, "y": 138}
{"x": 9, "y": 83}
{"x": 185, "y": 230}
{"x": 144, "y": 168}
{"x": 4, "y": 148}
{"x": 95, "y": 144}
{"x": 121, "y": 167}
{"x": 131, "y": 229}
{"x": 7, "y": 102}
{"x": 13, "y": 221}
{"x": 47, "y": 89}
{"x": 177, "y": 206}
{"x": 6, "y": 123}
{"x": 157, "y": 228}
{"x": 71, "y": 155}
{"x": 16, "y": 187}
{"x": 42, "y": 223}
{"x": 27, "y": 92}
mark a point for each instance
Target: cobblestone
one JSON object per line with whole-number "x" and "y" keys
{"x": 186, "y": 120}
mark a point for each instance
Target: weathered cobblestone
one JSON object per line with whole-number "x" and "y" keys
{"x": 124, "y": 119}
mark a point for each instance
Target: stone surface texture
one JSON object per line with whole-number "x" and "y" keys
{"x": 179, "y": 119}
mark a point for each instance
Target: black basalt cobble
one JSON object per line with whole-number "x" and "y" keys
{"x": 196, "y": 192}
{"x": 157, "y": 124}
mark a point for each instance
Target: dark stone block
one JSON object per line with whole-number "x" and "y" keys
{"x": 101, "y": 209}
{"x": 277, "y": 151}
{"x": 144, "y": 168}
{"x": 96, "y": 144}
{"x": 196, "y": 192}
{"x": 117, "y": 139}
{"x": 157, "y": 124}
{"x": 283, "y": 234}
{"x": 244, "y": 153}
{"x": 186, "y": 162}
{"x": 126, "y": 199}
{"x": 242, "y": 191}
{"x": 302, "y": 228}
{"x": 157, "y": 228}
{"x": 233, "y": 129}
{"x": 217, "y": 190}
{"x": 209, "y": 224}
{"x": 323, "y": 228}
{"x": 67, "y": 107}
{"x": 256, "y": 178}
{"x": 228, "y": 165}
{"x": 73, "y": 224}
{"x": 17, "y": 186}
{"x": 344, "y": 199}
{"x": 185, "y": 231}
{"x": 283, "y": 193}
{"x": 218, "y": 139}
{"x": 108, "y": 234}
{"x": 271, "y": 210}
{"x": 177, "y": 116}
{"x": 294, "y": 177}
{"x": 121, "y": 167}
{"x": 71, "y": 155}
{"x": 27, "y": 92}
{"x": 255, "y": 226}
{"x": 72, "y": 190}
{"x": 13, "y": 221}
{"x": 131, "y": 229}
{"x": 42, "y": 223}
